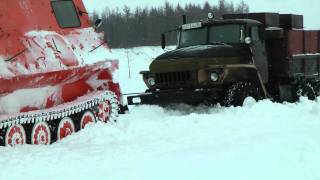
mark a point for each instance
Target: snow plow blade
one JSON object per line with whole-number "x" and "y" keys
{"x": 165, "y": 98}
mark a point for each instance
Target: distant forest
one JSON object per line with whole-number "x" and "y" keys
{"x": 125, "y": 28}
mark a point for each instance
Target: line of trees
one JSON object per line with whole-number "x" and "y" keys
{"x": 126, "y": 28}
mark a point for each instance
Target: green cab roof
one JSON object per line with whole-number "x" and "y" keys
{"x": 219, "y": 22}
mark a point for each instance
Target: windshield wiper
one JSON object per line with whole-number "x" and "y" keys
{"x": 217, "y": 43}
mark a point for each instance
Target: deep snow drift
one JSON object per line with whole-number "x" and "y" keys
{"x": 260, "y": 141}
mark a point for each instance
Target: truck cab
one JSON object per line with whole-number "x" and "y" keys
{"x": 208, "y": 47}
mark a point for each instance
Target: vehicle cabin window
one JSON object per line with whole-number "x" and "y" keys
{"x": 193, "y": 37}
{"x": 255, "y": 33}
{"x": 230, "y": 33}
{"x": 66, "y": 13}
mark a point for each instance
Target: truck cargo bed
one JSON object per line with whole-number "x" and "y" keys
{"x": 292, "y": 52}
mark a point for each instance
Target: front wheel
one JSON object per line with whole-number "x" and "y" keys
{"x": 238, "y": 92}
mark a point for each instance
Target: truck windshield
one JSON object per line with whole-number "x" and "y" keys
{"x": 65, "y": 13}
{"x": 193, "y": 37}
{"x": 228, "y": 33}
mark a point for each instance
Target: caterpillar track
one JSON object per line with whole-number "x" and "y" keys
{"x": 47, "y": 126}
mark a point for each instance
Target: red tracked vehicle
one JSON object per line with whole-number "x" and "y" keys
{"x": 46, "y": 90}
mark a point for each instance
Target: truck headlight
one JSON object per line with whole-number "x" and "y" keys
{"x": 151, "y": 81}
{"x": 214, "y": 77}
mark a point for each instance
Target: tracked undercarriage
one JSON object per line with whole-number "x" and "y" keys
{"x": 49, "y": 125}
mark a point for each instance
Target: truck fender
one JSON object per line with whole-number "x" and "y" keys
{"x": 237, "y": 73}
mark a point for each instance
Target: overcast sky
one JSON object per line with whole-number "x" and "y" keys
{"x": 309, "y": 8}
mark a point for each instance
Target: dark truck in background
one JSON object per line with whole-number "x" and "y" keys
{"x": 262, "y": 55}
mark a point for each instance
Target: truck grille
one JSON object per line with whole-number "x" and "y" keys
{"x": 173, "y": 78}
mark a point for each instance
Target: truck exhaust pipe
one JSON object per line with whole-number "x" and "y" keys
{"x": 184, "y": 19}
{"x": 163, "y": 41}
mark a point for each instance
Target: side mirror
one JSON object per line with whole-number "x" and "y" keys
{"x": 97, "y": 23}
{"x": 248, "y": 40}
{"x": 163, "y": 41}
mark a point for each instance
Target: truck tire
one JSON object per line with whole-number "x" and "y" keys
{"x": 305, "y": 90}
{"x": 238, "y": 92}
{"x": 316, "y": 88}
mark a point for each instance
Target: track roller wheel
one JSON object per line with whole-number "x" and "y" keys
{"x": 87, "y": 118}
{"x": 104, "y": 111}
{"x": 238, "y": 92}
{"x": 41, "y": 134}
{"x": 15, "y": 135}
{"x": 65, "y": 128}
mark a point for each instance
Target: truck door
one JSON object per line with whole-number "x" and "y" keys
{"x": 259, "y": 54}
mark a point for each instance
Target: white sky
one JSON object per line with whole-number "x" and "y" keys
{"x": 308, "y": 8}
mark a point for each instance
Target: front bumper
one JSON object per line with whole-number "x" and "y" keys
{"x": 177, "y": 96}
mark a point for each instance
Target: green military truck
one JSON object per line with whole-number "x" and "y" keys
{"x": 261, "y": 55}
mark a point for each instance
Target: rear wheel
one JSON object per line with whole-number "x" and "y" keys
{"x": 306, "y": 90}
{"x": 316, "y": 88}
{"x": 238, "y": 92}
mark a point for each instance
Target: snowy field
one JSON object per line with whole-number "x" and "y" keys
{"x": 260, "y": 141}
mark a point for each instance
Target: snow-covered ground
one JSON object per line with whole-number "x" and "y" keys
{"x": 260, "y": 141}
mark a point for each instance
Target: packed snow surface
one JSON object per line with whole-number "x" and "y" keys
{"x": 259, "y": 141}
